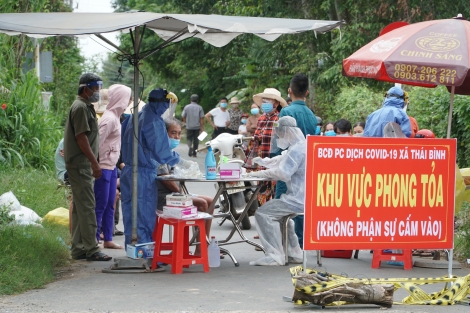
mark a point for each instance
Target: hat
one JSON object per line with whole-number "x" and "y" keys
{"x": 244, "y": 115}
{"x": 100, "y": 106}
{"x": 270, "y": 93}
{"x": 234, "y": 100}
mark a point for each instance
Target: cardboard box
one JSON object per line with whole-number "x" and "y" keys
{"x": 179, "y": 200}
{"x": 141, "y": 250}
{"x": 180, "y": 213}
{"x": 230, "y": 171}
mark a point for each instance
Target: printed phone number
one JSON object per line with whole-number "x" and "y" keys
{"x": 425, "y": 74}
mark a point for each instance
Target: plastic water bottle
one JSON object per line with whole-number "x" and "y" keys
{"x": 211, "y": 165}
{"x": 213, "y": 252}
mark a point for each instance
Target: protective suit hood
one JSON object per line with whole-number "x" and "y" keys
{"x": 158, "y": 101}
{"x": 391, "y": 111}
{"x": 285, "y": 134}
{"x": 394, "y": 101}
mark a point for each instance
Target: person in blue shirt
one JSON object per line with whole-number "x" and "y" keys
{"x": 391, "y": 111}
{"x": 154, "y": 149}
{"x": 307, "y": 122}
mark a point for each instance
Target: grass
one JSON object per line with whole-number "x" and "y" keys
{"x": 30, "y": 254}
{"x": 35, "y": 189}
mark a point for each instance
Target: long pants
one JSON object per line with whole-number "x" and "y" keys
{"x": 193, "y": 142}
{"x": 268, "y": 218}
{"x": 219, "y": 131}
{"x": 105, "y": 193}
{"x": 83, "y": 215}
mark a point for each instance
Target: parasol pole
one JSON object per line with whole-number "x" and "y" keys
{"x": 451, "y": 107}
{"x": 450, "y": 254}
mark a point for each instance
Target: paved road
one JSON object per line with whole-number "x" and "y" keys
{"x": 227, "y": 288}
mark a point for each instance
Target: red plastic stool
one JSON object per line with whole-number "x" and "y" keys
{"x": 180, "y": 256}
{"x": 405, "y": 256}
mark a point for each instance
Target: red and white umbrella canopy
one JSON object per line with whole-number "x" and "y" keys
{"x": 423, "y": 54}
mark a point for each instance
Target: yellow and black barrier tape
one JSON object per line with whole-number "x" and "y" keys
{"x": 459, "y": 290}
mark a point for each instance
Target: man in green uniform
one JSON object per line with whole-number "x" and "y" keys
{"x": 81, "y": 142}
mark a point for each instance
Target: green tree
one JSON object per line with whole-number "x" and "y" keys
{"x": 28, "y": 133}
{"x": 249, "y": 64}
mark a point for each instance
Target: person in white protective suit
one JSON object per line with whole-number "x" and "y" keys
{"x": 290, "y": 168}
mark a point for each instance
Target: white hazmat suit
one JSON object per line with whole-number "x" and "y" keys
{"x": 288, "y": 167}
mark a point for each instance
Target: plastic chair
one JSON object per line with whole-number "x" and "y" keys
{"x": 405, "y": 256}
{"x": 180, "y": 256}
{"x": 284, "y": 221}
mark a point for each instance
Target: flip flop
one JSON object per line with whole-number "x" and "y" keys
{"x": 99, "y": 256}
{"x": 115, "y": 246}
{"x": 118, "y": 233}
{"x": 256, "y": 237}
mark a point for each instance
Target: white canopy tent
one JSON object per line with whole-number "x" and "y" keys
{"x": 217, "y": 30}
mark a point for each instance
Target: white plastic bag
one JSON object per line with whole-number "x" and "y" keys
{"x": 26, "y": 216}
{"x": 192, "y": 172}
{"x": 8, "y": 200}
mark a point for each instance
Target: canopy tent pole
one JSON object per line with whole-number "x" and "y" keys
{"x": 135, "y": 139}
{"x": 451, "y": 107}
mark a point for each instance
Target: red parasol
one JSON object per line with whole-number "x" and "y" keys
{"x": 424, "y": 54}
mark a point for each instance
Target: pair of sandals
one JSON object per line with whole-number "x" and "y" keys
{"x": 97, "y": 256}
{"x": 423, "y": 253}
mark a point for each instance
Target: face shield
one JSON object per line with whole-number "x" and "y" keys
{"x": 96, "y": 87}
{"x": 285, "y": 134}
{"x": 170, "y": 112}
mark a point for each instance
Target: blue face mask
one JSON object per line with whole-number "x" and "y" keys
{"x": 174, "y": 143}
{"x": 255, "y": 111}
{"x": 318, "y": 130}
{"x": 267, "y": 107}
{"x": 223, "y": 105}
{"x": 244, "y": 121}
{"x": 330, "y": 133}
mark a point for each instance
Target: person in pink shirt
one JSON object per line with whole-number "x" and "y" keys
{"x": 109, "y": 148}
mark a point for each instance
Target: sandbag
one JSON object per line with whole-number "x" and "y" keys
{"x": 25, "y": 216}
{"x": 58, "y": 216}
{"x": 9, "y": 201}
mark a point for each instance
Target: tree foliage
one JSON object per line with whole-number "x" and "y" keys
{"x": 249, "y": 64}
{"x": 29, "y": 134}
